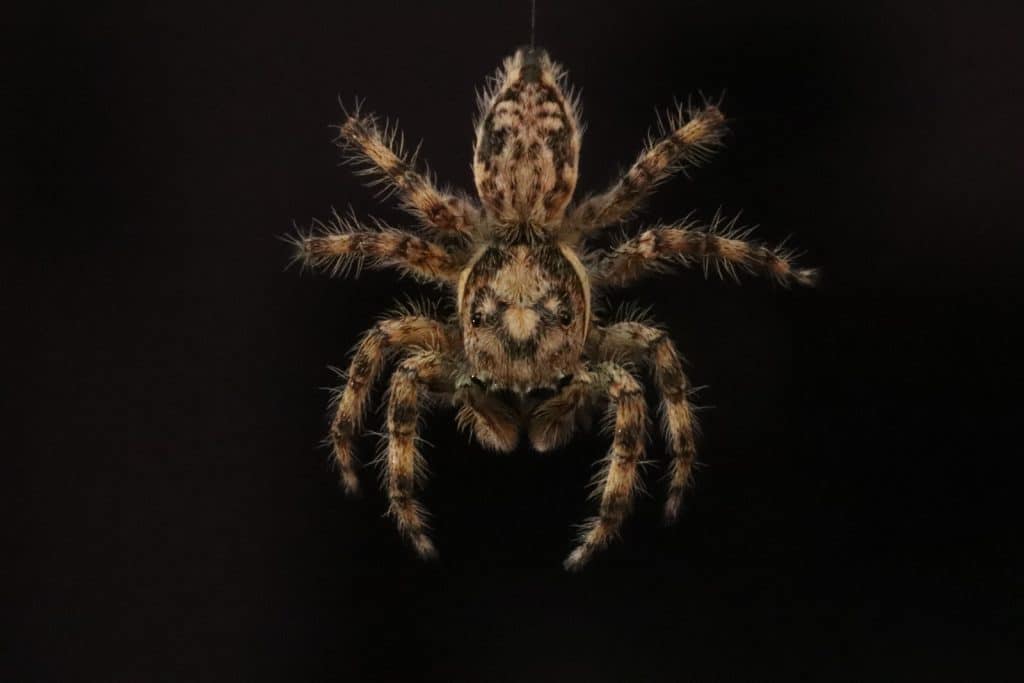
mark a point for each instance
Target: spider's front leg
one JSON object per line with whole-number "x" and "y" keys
{"x": 621, "y": 477}
{"x": 383, "y": 156}
{"x": 407, "y": 331}
{"x": 648, "y": 346}
{"x": 652, "y": 250}
{"x": 421, "y": 372}
{"x": 689, "y": 138}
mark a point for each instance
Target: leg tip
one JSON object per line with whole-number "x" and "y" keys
{"x": 808, "y": 277}
{"x": 425, "y": 548}
{"x": 672, "y": 510}
{"x": 577, "y": 559}
{"x": 350, "y": 484}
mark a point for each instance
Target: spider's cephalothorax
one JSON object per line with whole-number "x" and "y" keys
{"x": 524, "y": 314}
{"x": 524, "y": 354}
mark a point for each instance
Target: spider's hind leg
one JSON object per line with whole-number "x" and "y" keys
{"x": 367, "y": 362}
{"x": 689, "y": 136}
{"x": 382, "y": 155}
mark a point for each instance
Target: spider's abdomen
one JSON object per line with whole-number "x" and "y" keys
{"x": 526, "y": 156}
{"x": 524, "y": 312}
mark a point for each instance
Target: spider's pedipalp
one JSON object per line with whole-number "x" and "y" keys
{"x": 621, "y": 477}
{"x": 689, "y": 137}
{"x": 494, "y": 424}
{"x": 381, "y": 154}
{"x": 404, "y": 332}
{"x": 646, "y": 345}
{"x": 342, "y": 244}
{"x": 721, "y": 246}
{"x": 422, "y": 372}
{"x": 553, "y": 422}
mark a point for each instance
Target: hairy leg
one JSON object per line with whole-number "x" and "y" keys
{"x": 424, "y": 371}
{"x": 688, "y": 139}
{"x": 383, "y": 156}
{"x": 343, "y": 244}
{"x": 404, "y": 332}
{"x": 621, "y": 478}
{"x": 648, "y": 346}
{"x": 729, "y": 249}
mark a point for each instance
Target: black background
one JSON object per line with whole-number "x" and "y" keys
{"x": 173, "y": 518}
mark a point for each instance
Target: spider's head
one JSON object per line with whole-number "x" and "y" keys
{"x": 524, "y": 312}
{"x": 526, "y": 156}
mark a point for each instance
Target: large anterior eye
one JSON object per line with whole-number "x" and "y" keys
{"x": 476, "y": 319}
{"x": 565, "y": 317}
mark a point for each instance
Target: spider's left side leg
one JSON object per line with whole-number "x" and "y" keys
{"x": 383, "y": 155}
{"x": 648, "y": 346}
{"x": 426, "y": 371}
{"x": 620, "y": 478}
{"x": 689, "y": 137}
{"x": 725, "y": 249}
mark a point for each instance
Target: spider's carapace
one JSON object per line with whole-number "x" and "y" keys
{"x": 524, "y": 353}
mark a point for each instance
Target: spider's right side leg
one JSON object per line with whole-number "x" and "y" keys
{"x": 383, "y": 156}
{"x": 367, "y": 362}
{"x": 422, "y": 372}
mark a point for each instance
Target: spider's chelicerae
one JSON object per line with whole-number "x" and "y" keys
{"x": 524, "y": 352}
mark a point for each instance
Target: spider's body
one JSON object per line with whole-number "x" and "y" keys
{"x": 524, "y": 353}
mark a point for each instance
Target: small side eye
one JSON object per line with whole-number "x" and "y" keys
{"x": 476, "y": 319}
{"x": 565, "y": 317}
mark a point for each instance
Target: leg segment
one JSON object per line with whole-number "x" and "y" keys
{"x": 342, "y": 244}
{"x": 367, "y": 363}
{"x": 688, "y": 139}
{"x": 424, "y": 371}
{"x": 646, "y": 345}
{"x": 621, "y": 477}
{"x": 383, "y": 156}
{"x": 656, "y": 248}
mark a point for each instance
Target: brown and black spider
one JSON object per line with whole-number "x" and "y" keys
{"x": 524, "y": 351}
